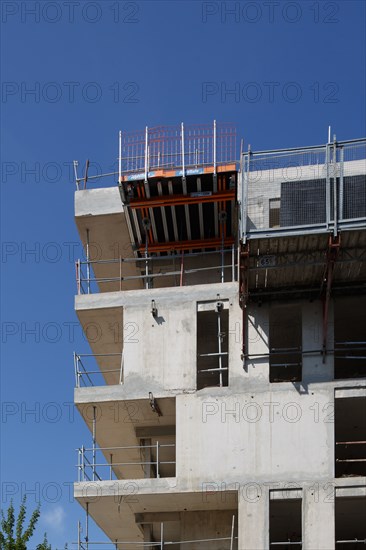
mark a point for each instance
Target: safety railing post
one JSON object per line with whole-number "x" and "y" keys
{"x": 82, "y": 459}
{"x": 335, "y": 191}
{"x": 327, "y": 186}
{"x": 122, "y": 368}
{"x": 162, "y": 536}
{"x": 232, "y": 263}
{"x": 94, "y": 440}
{"x": 111, "y": 467}
{"x": 219, "y": 341}
{"x": 120, "y": 273}
{"x": 214, "y": 148}
{"x": 87, "y": 261}
{"x": 120, "y": 159}
{"x": 79, "y": 535}
{"x": 182, "y": 150}
{"x": 157, "y": 460}
{"x": 87, "y": 526}
{"x": 146, "y": 152}
{"x": 341, "y": 183}
{"x": 78, "y": 284}
{"x": 77, "y": 382}
{"x": 232, "y": 533}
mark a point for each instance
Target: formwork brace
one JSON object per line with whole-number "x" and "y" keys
{"x": 326, "y": 289}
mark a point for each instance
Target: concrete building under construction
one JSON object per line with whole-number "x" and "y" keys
{"x": 223, "y": 295}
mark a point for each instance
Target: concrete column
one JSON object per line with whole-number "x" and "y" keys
{"x": 318, "y": 517}
{"x": 253, "y": 517}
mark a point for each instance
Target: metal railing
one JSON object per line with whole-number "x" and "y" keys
{"x": 183, "y": 148}
{"x": 87, "y": 282}
{"x": 86, "y": 377}
{"x": 286, "y": 543}
{"x": 351, "y": 541}
{"x": 308, "y": 189}
{"x": 88, "y": 464}
{"x": 84, "y": 545}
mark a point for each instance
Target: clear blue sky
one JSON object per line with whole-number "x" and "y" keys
{"x": 96, "y": 68}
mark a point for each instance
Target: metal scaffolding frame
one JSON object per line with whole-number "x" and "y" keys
{"x": 160, "y": 545}
{"x": 86, "y": 282}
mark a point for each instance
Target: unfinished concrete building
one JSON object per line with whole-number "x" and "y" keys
{"x": 225, "y": 307}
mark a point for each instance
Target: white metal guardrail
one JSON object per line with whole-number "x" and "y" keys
{"x": 308, "y": 189}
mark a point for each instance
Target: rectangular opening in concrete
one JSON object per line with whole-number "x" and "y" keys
{"x": 350, "y": 337}
{"x": 350, "y": 436}
{"x": 285, "y": 522}
{"x": 274, "y": 212}
{"x": 212, "y": 344}
{"x": 285, "y": 341}
{"x": 350, "y": 524}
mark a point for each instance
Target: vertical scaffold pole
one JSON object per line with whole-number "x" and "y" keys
{"x": 162, "y": 536}
{"x": 79, "y": 535}
{"x": 214, "y": 148}
{"x": 87, "y": 260}
{"x": 335, "y": 202}
{"x": 232, "y": 533}
{"x": 146, "y": 152}
{"x": 94, "y": 438}
{"x": 120, "y": 158}
{"x": 219, "y": 339}
{"x": 182, "y": 152}
{"x": 341, "y": 183}
{"x": 87, "y": 526}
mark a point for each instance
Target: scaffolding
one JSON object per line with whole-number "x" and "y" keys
{"x": 161, "y": 545}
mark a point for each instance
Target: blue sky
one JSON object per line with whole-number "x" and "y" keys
{"x": 282, "y": 71}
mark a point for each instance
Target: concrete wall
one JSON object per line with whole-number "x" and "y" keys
{"x": 225, "y": 436}
{"x": 160, "y": 352}
{"x": 211, "y": 524}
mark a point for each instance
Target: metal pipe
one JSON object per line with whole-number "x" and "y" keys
{"x": 94, "y": 438}
{"x": 122, "y": 368}
{"x": 87, "y": 526}
{"x": 120, "y": 158}
{"x": 76, "y": 372}
{"x": 341, "y": 183}
{"x": 75, "y": 163}
{"x": 79, "y": 535}
{"x": 88, "y": 261}
{"x": 219, "y": 339}
{"x": 232, "y": 533}
{"x": 146, "y": 151}
{"x": 214, "y": 149}
{"x": 327, "y": 185}
{"x": 110, "y": 470}
{"x": 232, "y": 263}
{"x": 335, "y": 197}
{"x": 83, "y": 462}
{"x": 182, "y": 151}
{"x": 120, "y": 273}
{"x": 162, "y": 536}
{"x": 157, "y": 460}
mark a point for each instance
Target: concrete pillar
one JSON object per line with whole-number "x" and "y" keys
{"x": 253, "y": 517}
{"x": 318, "y": 517}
